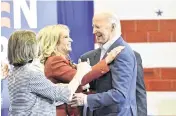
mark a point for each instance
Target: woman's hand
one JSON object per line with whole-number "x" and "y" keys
{"x": 113, "y": 53}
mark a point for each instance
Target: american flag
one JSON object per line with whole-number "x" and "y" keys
{"x": 149, "y": 26}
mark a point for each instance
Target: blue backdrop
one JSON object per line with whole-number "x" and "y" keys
{"x": 76, "y": 14}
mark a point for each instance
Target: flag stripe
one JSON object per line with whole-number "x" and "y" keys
{"x": 148, "y": 25}
{"x": 160, "y": 73}
{"x": 149, "y": 30}
{"x": 161, "y": 103}
{"x": 138, "y": 9}
{"x": 156, "y": 54}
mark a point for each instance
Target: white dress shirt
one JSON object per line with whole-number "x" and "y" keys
{"x": 106, "y": 46}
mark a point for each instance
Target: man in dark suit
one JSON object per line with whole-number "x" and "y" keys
{"x": 141, "y": 99}
{"x": 116, "y": 90}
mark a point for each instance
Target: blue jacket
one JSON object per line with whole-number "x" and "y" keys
{"x": 116, "y": 90}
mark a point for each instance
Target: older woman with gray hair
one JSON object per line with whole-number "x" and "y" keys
{"x": 31, "y": 93}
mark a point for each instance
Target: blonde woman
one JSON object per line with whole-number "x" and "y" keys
{"x": 31, "y": 94}
{"x": 55, "y": 46}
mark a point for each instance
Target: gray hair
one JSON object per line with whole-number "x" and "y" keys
{"x": 22, "y": 47}
{"x": 112, "y": 19}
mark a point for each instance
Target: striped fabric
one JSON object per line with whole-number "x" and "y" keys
{"x": 31, "y": 94}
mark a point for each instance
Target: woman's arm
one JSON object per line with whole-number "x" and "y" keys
{"x": 39, "y": 84}
{"x": 98, "y": 70}
{"x": 63, "y": 71}
{"x": 58, "y": 68}
{"x": 101, "y": 67}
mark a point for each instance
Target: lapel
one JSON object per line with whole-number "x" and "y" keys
{"x": 96, "y": 57}
{"x": 115, "y": 44}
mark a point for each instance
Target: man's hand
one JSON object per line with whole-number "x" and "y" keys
{"x": 77, "y": 100}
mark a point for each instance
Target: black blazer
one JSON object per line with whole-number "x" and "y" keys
{"x": 141, "y": 99}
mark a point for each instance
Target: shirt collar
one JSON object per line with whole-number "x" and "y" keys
{"x": 107, "y": 45}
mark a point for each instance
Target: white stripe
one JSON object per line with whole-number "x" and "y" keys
{"x": 156, "y": 54}
{"x": 138, "y": 9}
{"x": 161, "y": 103}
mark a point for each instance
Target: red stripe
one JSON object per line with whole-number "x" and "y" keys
{"x": 160, "y": 79}
{"x": 134, "y": 31}
{"x": 149, "y": 30}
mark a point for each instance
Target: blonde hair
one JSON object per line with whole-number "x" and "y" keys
{"x": 48, "y": 38}
{"x": 22, "y": 47}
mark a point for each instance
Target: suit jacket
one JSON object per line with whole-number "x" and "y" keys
{"x": 141, "y": 99}
{"x": 116, "y": 90}
{"x": 60, "y": 70}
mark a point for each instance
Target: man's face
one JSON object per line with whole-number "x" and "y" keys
{"x": 102, "y": 30}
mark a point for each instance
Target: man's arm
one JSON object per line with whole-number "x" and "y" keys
{"x": 122, "y": 75}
